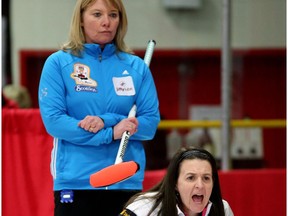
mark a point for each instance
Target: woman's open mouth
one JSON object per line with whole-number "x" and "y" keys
{"x": 197, "y": 198}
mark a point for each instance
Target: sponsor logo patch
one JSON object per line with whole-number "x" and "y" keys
{"x": 124, "y": 86}
{"x": 81, "y": 75}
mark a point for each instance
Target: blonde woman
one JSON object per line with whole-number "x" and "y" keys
{"x": 86, "y": 91}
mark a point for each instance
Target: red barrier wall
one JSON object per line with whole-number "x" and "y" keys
{"x": 249, "y": 192}
{"x": 27, "y": 183}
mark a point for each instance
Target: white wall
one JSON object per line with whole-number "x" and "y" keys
{"x": 42, "y": 24}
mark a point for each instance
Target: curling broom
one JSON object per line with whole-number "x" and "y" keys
{"x": 121, "y": 170}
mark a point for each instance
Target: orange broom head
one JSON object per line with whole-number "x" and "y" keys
{"x": 114, "y": 174}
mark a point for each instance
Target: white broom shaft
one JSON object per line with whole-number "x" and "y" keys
{"x": 124, "y": 139}
{"x": 149, "y": 52}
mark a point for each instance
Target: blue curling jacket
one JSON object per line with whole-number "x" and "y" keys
{"x": 103, "y": 83}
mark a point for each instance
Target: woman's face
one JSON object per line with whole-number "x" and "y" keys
{"x": 194, "y": 185}
{"x": 100, "y": 23}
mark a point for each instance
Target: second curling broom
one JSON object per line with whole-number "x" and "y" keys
{"x": 120, "y": 170}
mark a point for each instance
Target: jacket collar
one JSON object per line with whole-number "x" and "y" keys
{"x": 95, "y": 49}
{"x": 204, "y": 213}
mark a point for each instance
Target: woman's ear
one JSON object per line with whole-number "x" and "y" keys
{"x": 176, "y": 188}
{"x": 177, "y": 194}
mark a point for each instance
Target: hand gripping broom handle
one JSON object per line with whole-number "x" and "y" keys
{"x": 132, "y": 113}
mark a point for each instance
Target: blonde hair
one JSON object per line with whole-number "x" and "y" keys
{"x": 76, "y": 34}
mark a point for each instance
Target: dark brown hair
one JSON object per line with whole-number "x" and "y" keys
{"x": 166, "y": 195}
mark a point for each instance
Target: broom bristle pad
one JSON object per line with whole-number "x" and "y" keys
{"x": 113, "y": 174}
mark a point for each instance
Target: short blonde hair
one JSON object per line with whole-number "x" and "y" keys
{"x": 76, "y": 34}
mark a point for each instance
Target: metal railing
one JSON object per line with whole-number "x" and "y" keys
{"x": 186, "y": 124}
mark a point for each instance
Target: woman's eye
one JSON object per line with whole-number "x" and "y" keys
{"x": 190, "y": 178}
{"x": 114, "y": 15}
{"x": 207, "y": 178}
{"x": 97, "y": 14}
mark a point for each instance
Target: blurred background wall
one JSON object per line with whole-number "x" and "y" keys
{"x": 41, "y": 24}
{"x": 186, "y": 65}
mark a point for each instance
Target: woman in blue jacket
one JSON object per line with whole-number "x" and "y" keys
{"x": 85, "y": 93}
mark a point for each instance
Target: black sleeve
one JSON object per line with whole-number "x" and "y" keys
{"x": 127, "y": 212}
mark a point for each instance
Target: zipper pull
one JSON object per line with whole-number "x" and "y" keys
{"x": 100, "y": 57}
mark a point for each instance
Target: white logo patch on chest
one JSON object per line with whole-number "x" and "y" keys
{"x": 124, "y": 86}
